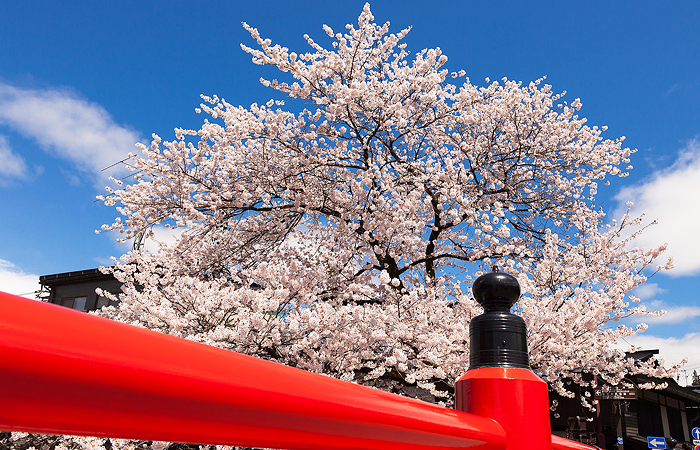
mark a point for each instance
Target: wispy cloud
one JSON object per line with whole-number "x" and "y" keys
{"x": 647, "y": 291}
{"x": 672, "y": 197}
{"x": 161, "y": 234}
{"x": 13, "y": 165}
{"x": 14, "y": 280}
{"x": 68, "y": 126}
{"x": 674, "y": 314}
{"x": 680, "y": 87}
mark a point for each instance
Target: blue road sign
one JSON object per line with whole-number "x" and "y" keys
{"x": 656, "y": 442}
{"x": 696, "y": 433}
{"x": 619, "y": 440}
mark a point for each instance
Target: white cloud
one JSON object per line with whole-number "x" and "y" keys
{"x": 13, "y": 165}
{"x": 161, "y": 234}
{"x": 671, "y": 196}
{"x": 647, "y": 291}
{"x": 674, "y": 314}
{"x": 15, "y": 281}
{"x": 70, "y": 127}
{"x": 167, "y": 236}
{"x": 672, "y": 350}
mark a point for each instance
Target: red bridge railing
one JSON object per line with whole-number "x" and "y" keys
{"x": 67, "y": 372}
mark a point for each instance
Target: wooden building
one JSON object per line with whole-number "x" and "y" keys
{"x": 77, "y": 289}
{"x": 630, "y": 413}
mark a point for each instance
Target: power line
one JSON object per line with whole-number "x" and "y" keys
{"x": 27, "y": 293}
{"x": 118, "y": 162}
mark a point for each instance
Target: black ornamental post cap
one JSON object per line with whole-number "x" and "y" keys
{"x": 496, "y": 289}
{"x": 498, "y": 338}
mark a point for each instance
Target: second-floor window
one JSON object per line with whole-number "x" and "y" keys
{"x": 77, "y": 303}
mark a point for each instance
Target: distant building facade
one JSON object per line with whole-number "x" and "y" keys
{"x": 629, "y": 413}
{"x": 76, "y": 290}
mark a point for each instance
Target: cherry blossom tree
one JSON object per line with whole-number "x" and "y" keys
{"x": 338, "y": 227}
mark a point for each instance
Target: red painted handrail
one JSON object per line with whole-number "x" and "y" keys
{"x": 67, "y": 372}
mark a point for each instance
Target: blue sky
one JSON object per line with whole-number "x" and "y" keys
{"x": 81, "y": 82}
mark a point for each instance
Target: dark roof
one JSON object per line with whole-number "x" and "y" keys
{"x": 642, "y": 355}
{"x": 673, "y": 388}
{"x": 79, "y": 276}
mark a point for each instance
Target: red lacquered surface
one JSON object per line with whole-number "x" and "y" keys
{"x": 66, "y": 372}
{"x": 516, "y": 398}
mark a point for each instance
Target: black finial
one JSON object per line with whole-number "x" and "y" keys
{"x": 498, "y": 338}
{"x": 496, "y": 289}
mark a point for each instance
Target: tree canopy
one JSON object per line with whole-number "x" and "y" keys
{"x": 337, "y": 228}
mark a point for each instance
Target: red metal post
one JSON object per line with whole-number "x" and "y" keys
{"x": 515, "y": 398}
{"x": 499, "y": 383}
